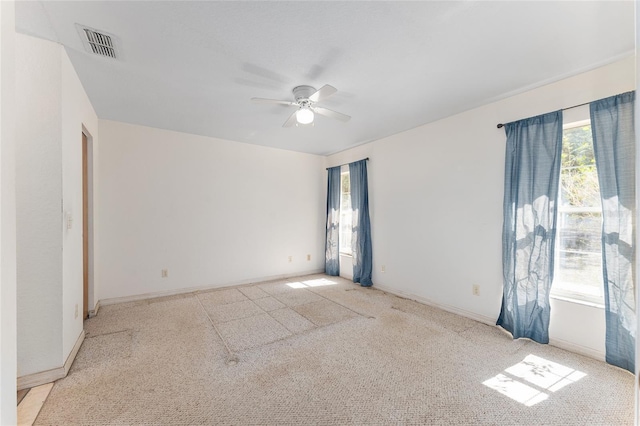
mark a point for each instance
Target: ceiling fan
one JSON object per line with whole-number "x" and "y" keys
{"x": 305, "y": 99}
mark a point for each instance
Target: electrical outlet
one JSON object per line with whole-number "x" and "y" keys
{"x": 76, "y": 315}
{"x": 165, "y": 273}
{"x": 308, "y": 257}
{"x": 290, "y": 259}
{"x": 383, "y": 269}
{"x": 476, "y": 290}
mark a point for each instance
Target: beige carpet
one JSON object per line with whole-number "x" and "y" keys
{"x": 320, "y": 350}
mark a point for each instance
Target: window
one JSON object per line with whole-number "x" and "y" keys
{"x": 578, "y": 262}
{"x": 345, "y": 213}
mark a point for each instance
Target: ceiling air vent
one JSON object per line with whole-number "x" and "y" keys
{"x": 98, "y": 42}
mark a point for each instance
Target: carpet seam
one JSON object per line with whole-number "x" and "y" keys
{"x": 337, "y": 303}
{"x": 231, "y": 354}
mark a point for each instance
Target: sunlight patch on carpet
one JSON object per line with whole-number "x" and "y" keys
{"x": 296, "y": 285}
{"x": 320, "y": 282}
{"x": 541, "y": 376}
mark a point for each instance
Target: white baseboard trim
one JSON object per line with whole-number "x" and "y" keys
{"x": 558, "y": 343}
{"x": 153, "y": 295}
{"x": 73, "y": 353}
{"x": 94, "y": 311}
{"x": 578, "y": 349}
{"x": 36, "y": 379}
{"x": 448, "y": 308}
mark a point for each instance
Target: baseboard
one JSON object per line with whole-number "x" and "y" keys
{"x": 36, "y": 379}
{"x": 94, "y": 311}
{"x": 558, "y": 343}
{"x": 448, "y": 308}
{"x": 73, "y": 353}
{"x": 578, "y": 349}
{"x": 40, "y": 378}
{"x": 153, "y": 295}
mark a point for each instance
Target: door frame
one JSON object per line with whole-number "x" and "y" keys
{"x": 87, "y": 182}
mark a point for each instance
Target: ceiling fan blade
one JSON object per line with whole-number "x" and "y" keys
{"x": 331, "y": 114}
{"x": 291, "y": 120}
{"x": 324, "y": 92}
{"x": 271, "y": 101}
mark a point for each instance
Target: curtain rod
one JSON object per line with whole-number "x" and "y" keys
{"x": 500, "y": 126}
{"x": 340, "y": 165}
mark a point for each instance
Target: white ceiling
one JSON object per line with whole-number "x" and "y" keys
{"x": 193, "y": 66}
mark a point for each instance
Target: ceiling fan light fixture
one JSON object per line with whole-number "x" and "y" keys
{"x": 304, "y": 116}
{"x": 306, "y": 98}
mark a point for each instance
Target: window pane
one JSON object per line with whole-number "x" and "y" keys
{"x": 579, "y": 255}
{"x": 578, "y": 266}
{"x": 345, "y": 214}
{"x": 579, "y": 179}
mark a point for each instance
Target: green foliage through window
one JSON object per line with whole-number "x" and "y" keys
{"x": 579, "y": 251}
{"x": 579, "y": 177}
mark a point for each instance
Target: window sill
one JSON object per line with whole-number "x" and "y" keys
{"x": 577, "y": 301}
{"x": 346, "y": 254}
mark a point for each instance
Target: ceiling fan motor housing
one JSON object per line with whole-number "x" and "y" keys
{"x": 303, "y": 92}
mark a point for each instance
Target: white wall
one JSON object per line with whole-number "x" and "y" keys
{"x": 8, "y": 349}
{"x": 346, "y": 266}
{"x": 436, "y": 194}
{"x": 51, "y": 110}
{"x": 39, "y": 195}
{"x": 212, "y": 212}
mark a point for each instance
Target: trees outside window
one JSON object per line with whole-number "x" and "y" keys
{"x": 578, "y": 260}
{"x": 345, "y": 214}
